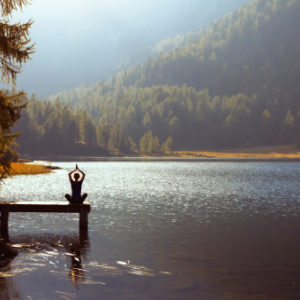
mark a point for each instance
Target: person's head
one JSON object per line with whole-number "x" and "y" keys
{"x": 76, "y": 176}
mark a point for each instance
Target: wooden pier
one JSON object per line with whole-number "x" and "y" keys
{"x": 43, "y": 207}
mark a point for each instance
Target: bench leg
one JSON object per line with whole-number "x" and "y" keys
{"x": 83, "y": 219}
{"x": 4, "y": 224}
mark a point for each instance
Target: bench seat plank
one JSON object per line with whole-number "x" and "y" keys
{"x": 43, "y": 207}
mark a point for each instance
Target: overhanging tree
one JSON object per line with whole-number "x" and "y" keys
{"x": 15, "y": 49}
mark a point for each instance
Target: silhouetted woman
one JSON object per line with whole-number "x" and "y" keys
{"x": 76, "y": 184}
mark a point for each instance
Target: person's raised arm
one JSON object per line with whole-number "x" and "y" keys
{"x": 70, "y": 173}
{"x": 83, "y": 174}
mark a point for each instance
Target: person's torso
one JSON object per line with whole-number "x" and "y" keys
{"x": 76, "y": 188}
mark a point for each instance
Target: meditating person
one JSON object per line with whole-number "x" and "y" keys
{"x": 76, "y": 184}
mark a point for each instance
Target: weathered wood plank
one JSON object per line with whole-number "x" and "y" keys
{"x": 56, "y": 207}
{"x": 4, "y": 222}
{"x": 83, "y": 220}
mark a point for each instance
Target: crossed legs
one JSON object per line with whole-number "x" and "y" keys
{"x": 76, "y": 200}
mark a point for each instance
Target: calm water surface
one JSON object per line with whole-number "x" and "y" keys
{"x": 159, "y": 230}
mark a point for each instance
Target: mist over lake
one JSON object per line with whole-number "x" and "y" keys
{"x": 160, "y": 230}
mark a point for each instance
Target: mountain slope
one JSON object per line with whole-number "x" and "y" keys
{"x": 252, "y": 50}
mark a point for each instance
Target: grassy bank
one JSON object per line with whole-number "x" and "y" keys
{"x": 286, "y": 151}
{"x": 28, "y": 169}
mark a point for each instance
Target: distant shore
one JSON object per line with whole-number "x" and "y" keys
{"x": 272, "y": 152}
{"x": 277, "y": 153}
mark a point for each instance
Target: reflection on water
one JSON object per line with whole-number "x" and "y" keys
{"x": 8, "y": 289}
{"x": 59, "y": 255}
{"x": 160, "y": 230}
{"x": 57, "y": 258}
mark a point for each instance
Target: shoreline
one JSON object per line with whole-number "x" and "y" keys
{"x": 40, "y": 161}
{"x": 266, "y": 152}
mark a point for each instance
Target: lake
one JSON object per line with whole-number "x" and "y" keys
{"x": 159, "y": 230}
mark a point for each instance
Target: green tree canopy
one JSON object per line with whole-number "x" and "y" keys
{"x": 15, "y": 49}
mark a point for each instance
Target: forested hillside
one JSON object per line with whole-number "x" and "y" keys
{"x": 235, "y": 86}
{"x": 251, "y": 50}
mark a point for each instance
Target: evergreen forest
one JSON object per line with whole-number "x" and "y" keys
{"x": 232, "y": 85}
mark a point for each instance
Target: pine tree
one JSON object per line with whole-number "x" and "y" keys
{"x": 146, "y": 143}
{"x": 156, "y": 145}
{"x": 167, "y": 146}
{"x": 15, "y": 49}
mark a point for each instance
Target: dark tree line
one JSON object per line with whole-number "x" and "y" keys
{"x": 54, "y": 128}
{"x": 195, "y": 119}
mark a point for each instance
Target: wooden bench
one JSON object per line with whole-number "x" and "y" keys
{"x": 43, "y": 207}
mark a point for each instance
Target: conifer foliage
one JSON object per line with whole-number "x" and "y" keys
{"x": 15, "y": 49}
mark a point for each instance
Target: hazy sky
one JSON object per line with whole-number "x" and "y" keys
{"x": 70, "y": 17}
{"x": 87, "y": 12}
{"x": 82, "y": 41}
